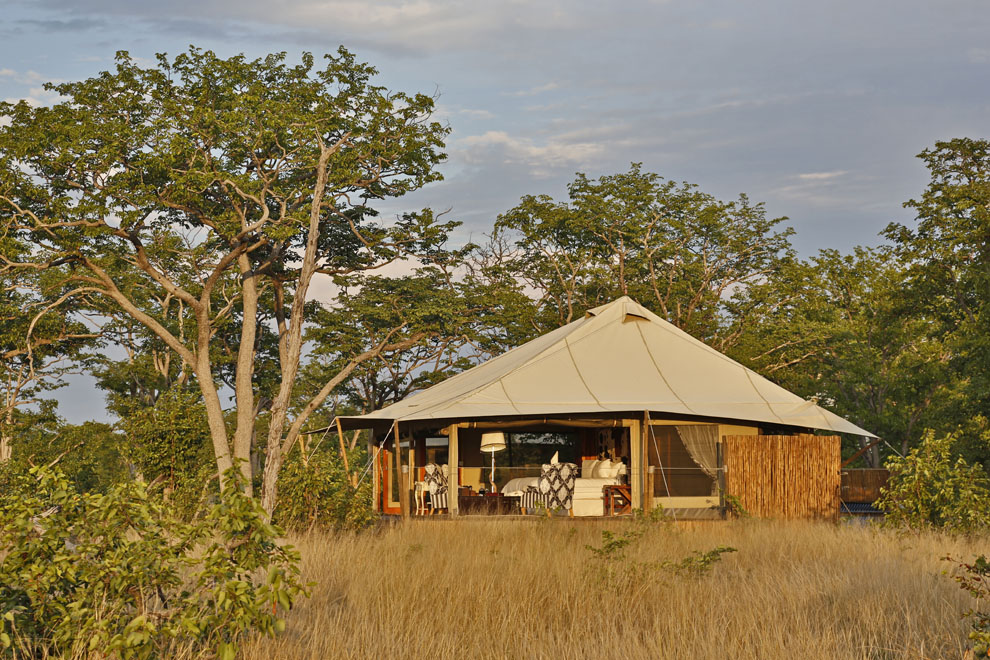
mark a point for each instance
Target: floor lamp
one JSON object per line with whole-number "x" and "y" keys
{"x": 493, "y": 442}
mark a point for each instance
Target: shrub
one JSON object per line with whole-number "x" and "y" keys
{"x": 929, "y": 488}
{"x": 974, "y": 577}
{"x": 319, "y": 493}
{"x": 116, "y": 574}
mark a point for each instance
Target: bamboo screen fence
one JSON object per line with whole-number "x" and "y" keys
{"x": 784, "y": 476}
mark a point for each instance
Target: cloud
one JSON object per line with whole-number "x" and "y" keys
{"x": 822, "y": 189}
{"x": 822, "y": 176}
{"x": 978, "y": 55}
{"x": 533, "y": 91}
{"x": 540, "y": 159}
{"x": 63, "y": 25}
{"x": 419, "y": 26}
{"x": 25, "y": 78}
{"x": 473, "y": 113}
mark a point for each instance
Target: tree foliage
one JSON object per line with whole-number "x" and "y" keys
{"x": 679, "y": 251}
{"x": 118, "y": 575}
{"x": 203, "y": 195}
{"x": 932, "y": 488}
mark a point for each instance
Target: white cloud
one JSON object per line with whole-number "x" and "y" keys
{"x": 823, "y": 189}
{"x": 822, "y": 176}
{"x": 978, "y": 55}
{"x": 37, "y": 97}
{"x": 24, "y": 78}
{"x": 533, "y": 91}
{"x": 476, "y": 113}
{"x": 540, "y": 159}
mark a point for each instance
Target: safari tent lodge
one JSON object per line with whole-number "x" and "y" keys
{"x": 619, "y": 410}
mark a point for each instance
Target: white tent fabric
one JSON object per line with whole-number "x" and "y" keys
{"x": 620, "y": 357}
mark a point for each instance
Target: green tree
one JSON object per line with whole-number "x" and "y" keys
{"x": 840, "y": 329}
{"x": 947, "y": 258}
{"x": 224, "y": 185}
{"x": 677, "y": 250}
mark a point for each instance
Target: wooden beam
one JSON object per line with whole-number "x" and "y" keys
{"x": 860, "y": 453}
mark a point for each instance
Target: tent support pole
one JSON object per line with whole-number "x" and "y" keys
{"x": 644, "y": 461}
{"x": 453, "y": 463}
{"x": 400, "y": 480}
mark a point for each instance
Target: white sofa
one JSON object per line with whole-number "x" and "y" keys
{"x": 588, "y": 488}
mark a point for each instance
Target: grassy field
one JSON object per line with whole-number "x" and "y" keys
{"x": 484, "y": 588}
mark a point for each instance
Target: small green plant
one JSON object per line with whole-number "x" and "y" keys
{"x": 734, "y": 507}
{"x": 974, "y": 577}
{"x": 613, "y": 564}
{"x": 121, "y": 575}
{"x": 655, "y": 516}
{"x": 613, "y": 546}
{"x": 697, "y": 563}
{"x": 929, "y": 489}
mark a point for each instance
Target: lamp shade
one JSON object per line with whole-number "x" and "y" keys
{"x": 492, "y": 442}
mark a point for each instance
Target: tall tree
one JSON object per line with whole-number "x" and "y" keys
{"x": 222, "y": 183}
{"x": 677, "y": 250}
{"x": 948, "y": 257}
{"x": 840, "y": 330}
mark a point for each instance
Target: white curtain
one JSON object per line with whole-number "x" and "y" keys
{"x": 701, "y": 441}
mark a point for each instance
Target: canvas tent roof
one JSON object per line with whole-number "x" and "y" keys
{"x": 620, "y": 357}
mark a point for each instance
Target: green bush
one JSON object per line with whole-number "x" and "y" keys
{"x": 930, "y": 488}
{"x": 319, "y": 493}
{"x": 974, "y": 577}
{"x": 118, "y": 575}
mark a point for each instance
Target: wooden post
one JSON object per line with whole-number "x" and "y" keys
{"x": 410, "y": 479}
{"x": 399, "y": 481}
{"x": 343, "y": 450}
{"x": 376, "y": 483}
{"x": 647, "y": 439}
{"x": 637, "y": 468}
{"x": 454, "y": 479}
{"x": 720, "y": 466}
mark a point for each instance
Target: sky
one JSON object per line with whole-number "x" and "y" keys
{"x": 816, "y": 109}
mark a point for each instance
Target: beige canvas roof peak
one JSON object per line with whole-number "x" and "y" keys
{"x": 618, "y": 357}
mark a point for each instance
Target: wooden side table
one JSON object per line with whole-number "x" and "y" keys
{"x": 618, "y": 499}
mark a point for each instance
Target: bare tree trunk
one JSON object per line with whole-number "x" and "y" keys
{"x": 214, "y": 409}
{"x": 244, "y": 385}
{"x": 291, "y": 341}
{"x": 6, "y": 440}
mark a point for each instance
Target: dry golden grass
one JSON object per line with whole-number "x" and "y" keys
{"x": 489, "y": 588}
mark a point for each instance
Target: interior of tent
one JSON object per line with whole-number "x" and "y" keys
{"x": 618, "y": 463}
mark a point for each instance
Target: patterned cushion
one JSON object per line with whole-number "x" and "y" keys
{"x": 556, "y": 485}
{"x": 436, "y": 482}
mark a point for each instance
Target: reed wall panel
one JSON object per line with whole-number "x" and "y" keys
{"x": 784, "y": 476}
